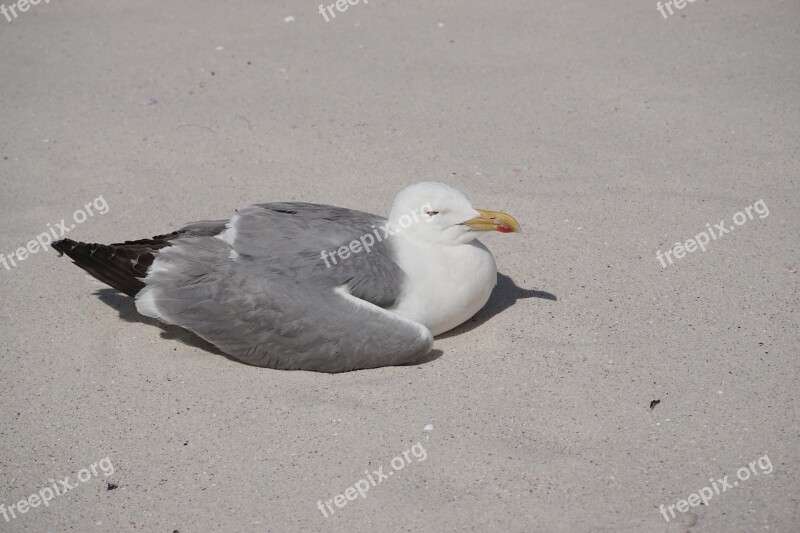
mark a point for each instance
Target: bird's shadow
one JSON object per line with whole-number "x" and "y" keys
{"x": 126, "y": 307}
{"x": 505, "y": 295}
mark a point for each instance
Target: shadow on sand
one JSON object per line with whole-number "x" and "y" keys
{"x": 125, "y": 306}
{"x": 505, "y": 295}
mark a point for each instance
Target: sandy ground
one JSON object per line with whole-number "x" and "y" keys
{"x": 608, "y": 131}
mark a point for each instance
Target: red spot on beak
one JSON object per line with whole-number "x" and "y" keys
{"x": 504, "y": 229}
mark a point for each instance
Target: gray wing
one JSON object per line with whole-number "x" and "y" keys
{"x": 263, "y": 293}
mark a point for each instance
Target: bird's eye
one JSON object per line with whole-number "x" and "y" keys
{"x": 432, "y": 213}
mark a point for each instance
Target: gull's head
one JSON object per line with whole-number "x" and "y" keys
{"x": 437, "y": 213}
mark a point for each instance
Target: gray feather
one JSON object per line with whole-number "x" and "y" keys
{"x": 273, "y": 303}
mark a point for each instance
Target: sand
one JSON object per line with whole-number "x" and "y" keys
{"x": 607, "y": 130}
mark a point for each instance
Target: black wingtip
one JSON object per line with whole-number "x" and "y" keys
{"x": 62, "y": 245}
{"x": 119, "y": 267}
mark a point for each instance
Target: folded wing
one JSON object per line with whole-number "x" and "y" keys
{"x": 262, "y": 292}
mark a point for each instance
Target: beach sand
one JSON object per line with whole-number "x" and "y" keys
{"x": 609, "y": 132}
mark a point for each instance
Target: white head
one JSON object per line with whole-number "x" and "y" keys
{"x": 437, "y": 213}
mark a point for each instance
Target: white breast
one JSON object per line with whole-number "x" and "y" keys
{"x": 447, "y": 284}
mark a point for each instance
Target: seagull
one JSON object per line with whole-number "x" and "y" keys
{"x": 302, "y": 286}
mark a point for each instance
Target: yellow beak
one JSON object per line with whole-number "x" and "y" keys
{"x": 494, "y": 221}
